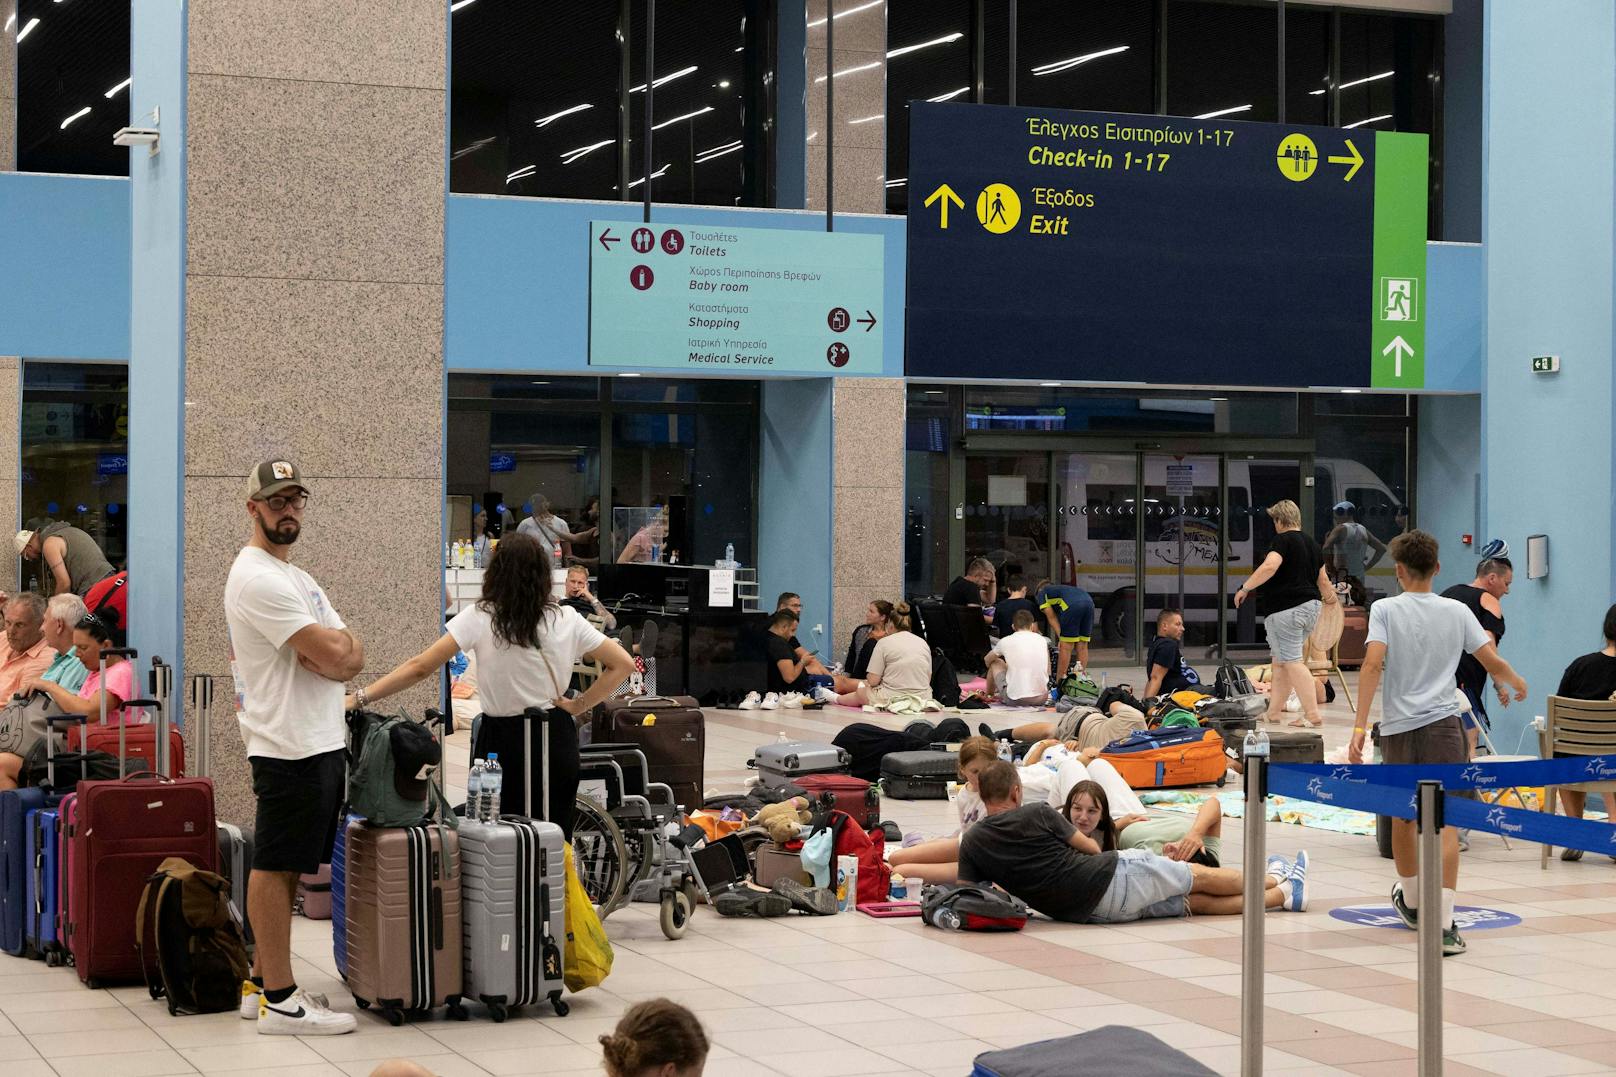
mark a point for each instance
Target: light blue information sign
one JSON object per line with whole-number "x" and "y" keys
{"x": 734, "y": 300}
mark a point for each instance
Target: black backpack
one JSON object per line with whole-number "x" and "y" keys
{"x": 868, "y": 744}
{"x": 945, "y": 687}
{"x": 1232, "y": 681}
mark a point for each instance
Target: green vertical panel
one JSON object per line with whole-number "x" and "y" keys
{"x": 1398, "y": 289}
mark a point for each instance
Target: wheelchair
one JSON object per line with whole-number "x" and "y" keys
{"x": 630, "y": 843}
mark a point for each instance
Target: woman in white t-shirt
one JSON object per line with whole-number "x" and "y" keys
{"x": 525, "y": 645}
{"x": 900, "y": 667}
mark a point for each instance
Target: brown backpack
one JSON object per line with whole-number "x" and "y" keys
{"x": 190, "y": 939}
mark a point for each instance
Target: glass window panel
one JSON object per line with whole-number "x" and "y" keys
{"x": 1007, "y": 513}
{"x": 922, "y": 76}
{"x": 75, "y": 451}
{"x": 1066, "y": 56}
{"x": 1368, "y": 466}
{"x": 929, "y": 430}
{"x": 690, "y": 391}
{"x": 1307, "y": 66}
{"x": 1394, "y": 404}
{"x": 74, "y": 54}
{"x": 1128, "y": 411}
{"x": 688, "y": 464}
{"x": 1222, "y": 57}
{"x": 1098, "y": 521}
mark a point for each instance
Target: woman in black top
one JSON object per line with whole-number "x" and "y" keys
{"x": 862, "y": 645}
{"x": 1291, "y": 584}
{"x": 1593, "y": 676}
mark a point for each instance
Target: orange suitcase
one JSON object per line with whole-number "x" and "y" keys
{"x": 1167, "y": 758}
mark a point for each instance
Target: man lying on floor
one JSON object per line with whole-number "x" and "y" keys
{"x": 1036, "y": 854}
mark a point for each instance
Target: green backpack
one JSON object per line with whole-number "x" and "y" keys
{"x": 1080, "y": 688}
{"x": 1178, "y": 718}
{"x": 388, "y": 760}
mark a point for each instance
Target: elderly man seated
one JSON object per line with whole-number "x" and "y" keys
{"x": 59, "y": 666}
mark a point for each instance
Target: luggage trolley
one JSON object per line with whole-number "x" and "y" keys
{"x": 630, "y": 844}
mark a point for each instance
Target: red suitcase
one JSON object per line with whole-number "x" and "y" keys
{"x": 114, "y": 835}
{"x": 672, "y": 733}
{"x": 141, "y": 745}
{"x": 857, "y": 797}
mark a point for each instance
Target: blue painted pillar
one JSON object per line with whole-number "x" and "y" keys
{"x": 1549, "y": 204}
{"x": 795, "y": 499}
{"x": 157, "y": 331}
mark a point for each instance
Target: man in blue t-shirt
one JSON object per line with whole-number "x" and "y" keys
{"x": 1070, "y": 611}
{"x": 1166, "y": 665}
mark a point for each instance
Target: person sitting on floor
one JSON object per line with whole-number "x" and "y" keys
{"x": 1593, "y": 676}
{"x": 1049, "y": 772}
{"x": 862, "y": 643}
{"x": 787, "y": 659}
{"x": 1015, "y": 600}
{"x": 791, "y": 602}
{"x": 1168, "y": 669}
{"x": 1177, "y": 837}
{"x": 1036, "y": 854}
{"x": 1018, "y": 665}
{"x": 900, "y": 670}
{"x": 978, "y": 587}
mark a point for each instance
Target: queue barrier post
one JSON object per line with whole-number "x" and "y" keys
{"x": 1429, "y": 818}
{"x": 1255, "y": 751}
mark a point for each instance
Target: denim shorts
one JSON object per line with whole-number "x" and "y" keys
{"x": 1145, "y": 887}
{"x": 1288, "y": 630}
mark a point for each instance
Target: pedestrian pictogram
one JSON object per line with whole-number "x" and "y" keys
{"x": 641, "y": 277}
{"x": 1397, "y": 299}
{"x": 1298, "y": 157}
{"x": 642, "y": 240}
{"x": 998, "y": 208}
{"x": 838, "y": 319}
{"x": 838, "y": 355}
{"x": 673, "y": 241}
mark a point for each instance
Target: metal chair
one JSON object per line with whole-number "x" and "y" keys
{"x": 1577, "y": 727}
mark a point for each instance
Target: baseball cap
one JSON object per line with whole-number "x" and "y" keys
{"x": 274, "y": 477}
{"x": 22, "y": 540}
{"x": 1344, "y": 506}
{"x": 414, "y": 753}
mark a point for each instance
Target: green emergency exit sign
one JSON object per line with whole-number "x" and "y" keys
{"x": 1545, "y": 364}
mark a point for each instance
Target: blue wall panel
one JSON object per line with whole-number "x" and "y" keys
{"x": 1457, "y": 310}
{"x": 1448, "y": 476}
{"x": 795, "y": 497}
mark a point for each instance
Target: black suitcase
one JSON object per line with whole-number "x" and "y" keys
{"x": 1232, "y": 730}
{"x": 918, "y": 775}
{"x": 1295, "y": 746}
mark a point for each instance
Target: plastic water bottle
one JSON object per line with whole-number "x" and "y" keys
{"x": 493, "y": 778}
{"x": 474, "y": 783}
{"x": 656, "y": 552}
{"x": 1005, "y": 751}
{"x": 447, "y": 557}
{"x": 782, "y": 738}
{"x": 729, "y": 555}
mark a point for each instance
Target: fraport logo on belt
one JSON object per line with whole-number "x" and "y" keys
{"x": 1468, "y": 917}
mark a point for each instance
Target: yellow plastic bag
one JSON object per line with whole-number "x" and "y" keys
{"x": 588, "y": 957}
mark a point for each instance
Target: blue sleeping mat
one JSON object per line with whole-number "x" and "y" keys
{"x": 1113, "y": 1049}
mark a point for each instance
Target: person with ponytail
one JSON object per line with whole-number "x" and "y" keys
{"x": 658, "y": 1038}
{"x": 900, "y": 667}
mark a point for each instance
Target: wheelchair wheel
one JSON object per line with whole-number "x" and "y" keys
{"x": 599, "y": 856}
{"x": 675, "y": 914}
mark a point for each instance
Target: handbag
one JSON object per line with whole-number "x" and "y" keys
{"x": 24, "y": 724}
{"x": 969, "y": 907}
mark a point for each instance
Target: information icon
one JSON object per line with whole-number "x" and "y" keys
{"x": 673, "y": 241}
{"x": 642, "y": 240}
{"x": 641, "y": 277}
{"x": 838, "y": 355}
{"x": 838, "y": 319}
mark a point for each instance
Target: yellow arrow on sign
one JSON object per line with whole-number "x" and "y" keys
{"x": 1356, "y": 161}
{"x": 946, "y": 193}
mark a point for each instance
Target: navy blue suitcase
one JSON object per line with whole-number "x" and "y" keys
{"x": 41, "y": 905}
{"x": 15, "y": 804}
{"x": 339, "y": 884}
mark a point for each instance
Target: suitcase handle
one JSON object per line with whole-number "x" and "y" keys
{"x": 155, "y": 776}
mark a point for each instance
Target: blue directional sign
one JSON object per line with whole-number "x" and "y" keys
{"x": 1083, "y": 246}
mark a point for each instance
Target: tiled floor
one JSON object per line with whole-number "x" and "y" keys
{"x": 851, "y": 995}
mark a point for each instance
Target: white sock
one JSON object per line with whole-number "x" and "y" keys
{"x": 1411, "y": 890}
{"x": 1448, "y": 898}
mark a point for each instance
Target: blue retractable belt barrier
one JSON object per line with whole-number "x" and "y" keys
{"x": 1389, "y": 790}
{"x": 1477, "y": 775}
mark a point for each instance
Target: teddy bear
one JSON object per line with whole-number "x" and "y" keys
{"x": 784, "y": 820}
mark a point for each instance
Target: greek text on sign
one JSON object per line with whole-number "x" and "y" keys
{"x": 716, "y": 299}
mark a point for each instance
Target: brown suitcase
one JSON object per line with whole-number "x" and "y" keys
{"x": 1354, "y": 637}
{"x": 402, "y": 904}
{"x": 771, "y": 862}
{"x": 672, "y": 733}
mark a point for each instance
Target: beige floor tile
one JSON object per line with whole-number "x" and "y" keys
{"x": 17, "y": 1047}
{"x": 517, "y": 1033}
{"x": 102, "y": 1019}
{"x": 752, "y": 1042}
{"x": 126, "y": 1064}
{"x": 66, "y": 993}
{"x": 521, "y": 1061}
{"x": 846, "y": 1059}
{"x": 29, "y": 1067}
{"x": 373, "y": 1042}
{"x": 444, "y": 1065}
{"x": 111, "y": 1041}
{"x": 1534, "y": 1061}
{"x": 942, "y": 1054}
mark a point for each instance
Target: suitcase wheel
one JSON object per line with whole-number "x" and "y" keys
{"x": 1223, "y": 778}
{"x": 561, "y": 1007}
{"x": 394, "y": 1017}
{"x": 459, "y": 1012}
{"x": 497, "y": 1012}
{"x": 362, "y": 1003}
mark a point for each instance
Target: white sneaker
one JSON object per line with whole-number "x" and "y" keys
{"x": 302, "y": 1015}
{"x": 750, "y": 703}
{"x": 825, "y": 695}
{"x": 771, "y": 702}
{"x": 791, "y": 700}
{"x": 251, "y": 996}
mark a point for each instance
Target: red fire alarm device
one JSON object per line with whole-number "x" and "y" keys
{"x": 1467, "y": 539}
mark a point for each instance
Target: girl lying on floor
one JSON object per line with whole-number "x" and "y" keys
{"x": 1048, "y": 773}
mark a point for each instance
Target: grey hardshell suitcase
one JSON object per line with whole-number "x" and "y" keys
{"x": 513, "y": 902}
{"x": 918, "y": 775}
{"x": 1295, "y": 746}
{"x": 779, "y": 764}
{"x": 235, "y": 843}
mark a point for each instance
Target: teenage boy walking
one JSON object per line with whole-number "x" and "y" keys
{"x": 1415, "y": 640}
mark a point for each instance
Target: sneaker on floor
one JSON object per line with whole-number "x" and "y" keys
{"x": 750, "y": 703}
{"x": 771, "y": 702}
{"x": 1411, "y": 917}
{"x": 1295, "y": 889}
{"x": 1299, "y": 865}
{"x": 1464, "y": 840}
{"x": 810, "y": 899}
{"x": 648, "y": 638}
{"x": 1453, "y": 943}
{"x": 251, "y": 995}
{"x": 1279, "y": 867}
{"x": 791, "y": 700}
{"x": 1572, "y": 855}
{"x": 302, "y": 1014}
{"x": 825, "y": 695}
{"x": 748, "y": 902}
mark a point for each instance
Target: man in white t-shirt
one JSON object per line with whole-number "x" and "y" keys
{"x": 1415, "y": 640}
{"x": 1018, "y": 665}
{"x": 290, "y": 655}
{"x": 551, "y": 530}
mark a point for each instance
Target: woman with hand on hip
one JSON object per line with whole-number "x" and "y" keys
{"x": 1291, "y": 586}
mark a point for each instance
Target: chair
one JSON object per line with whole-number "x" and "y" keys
{"x": 1325, "y": 668}
{"x": 1577, "y": 727}
{"x": 588, "y": 672}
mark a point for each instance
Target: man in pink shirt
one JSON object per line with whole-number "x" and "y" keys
{"x": 27, "y": 653}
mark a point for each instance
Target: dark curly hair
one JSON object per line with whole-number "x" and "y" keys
{"x": 653, "y": 1034}
{"x": 516, "y": 589}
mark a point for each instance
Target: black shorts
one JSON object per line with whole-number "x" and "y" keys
{"x": 299, "y": 801}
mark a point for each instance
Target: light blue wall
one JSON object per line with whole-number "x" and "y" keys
{"x": 156, "y": 327}
{"x": 1550, "y": 205}
{"x": 1448, "y": 471}
{"x": 795, "y": 498}
{"x": 1456, "y": 312}
{"x": 64, "y": 266}
{"x": 518, "y": 276}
